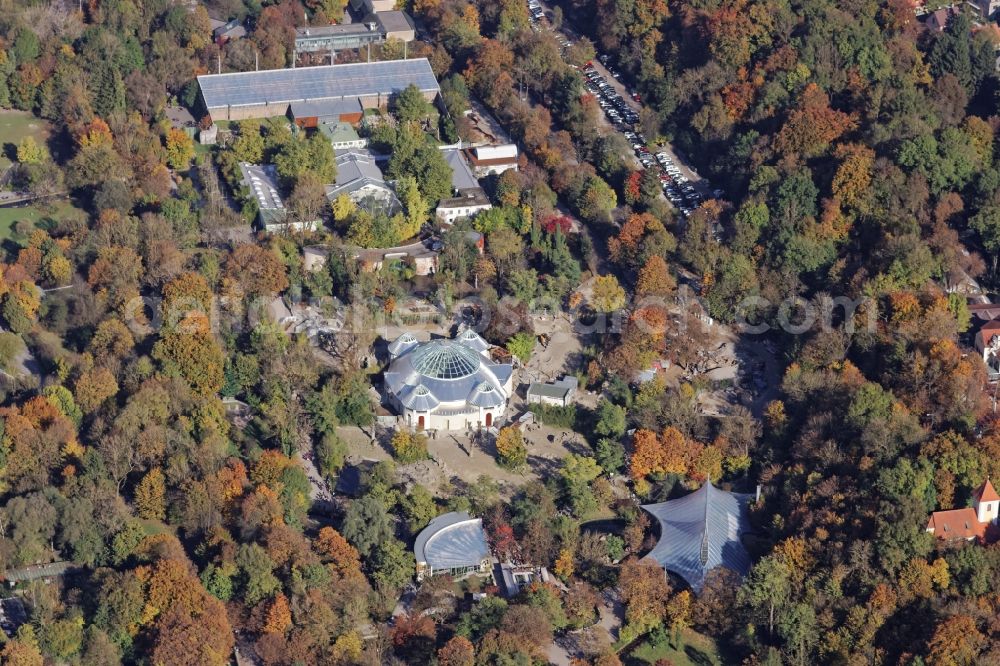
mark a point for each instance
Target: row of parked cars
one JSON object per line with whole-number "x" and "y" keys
{"x": 536, "y": 13}
{"x": 676, "y": 186}
{"x": 621, "y": 115}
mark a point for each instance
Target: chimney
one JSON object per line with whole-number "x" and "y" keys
{"x": 757, "y": 498}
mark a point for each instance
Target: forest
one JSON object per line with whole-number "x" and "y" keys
{"x": 858, "y": 154}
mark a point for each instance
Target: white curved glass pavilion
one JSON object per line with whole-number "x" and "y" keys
{"x": 453, "y": 544}
{"x": 447, "y": 384}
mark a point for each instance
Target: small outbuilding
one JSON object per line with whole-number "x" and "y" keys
{"x": 558, "y": 393}
{"x": 513, "y": 578}
{"x": 490, "y": 160}
{"x": 342, "y": 135}
{"x": 314, "y": 257}
{"x": 453, "y": 544}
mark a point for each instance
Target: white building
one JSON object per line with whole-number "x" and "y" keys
{"x": 447, "y": 384}
{"x": 489, "y": 160}
{"x": 558, "y": 393}
{"x": 468, "y": 203}
{"x": 469, "y": 198}
{"x": 988, "y": 344}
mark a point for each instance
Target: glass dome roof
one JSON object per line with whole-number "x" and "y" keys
{"x": 443, "y": 359}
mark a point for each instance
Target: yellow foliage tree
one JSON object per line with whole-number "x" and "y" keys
{"x": 58, "y": 270}
{"x": 408, "y": 446}
{"x": 511, "y": 451}
{"x": 608, "y": 295}
{"x": 150, "y": 496}
{"x": 180, "y": 148}
{"x": 343, "y": 207}
{"x": 564, "y": 566}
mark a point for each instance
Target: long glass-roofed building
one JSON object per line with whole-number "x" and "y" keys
{"x": 242, "y": 95}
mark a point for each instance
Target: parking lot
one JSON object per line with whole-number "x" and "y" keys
{"x": 675, "y": 178}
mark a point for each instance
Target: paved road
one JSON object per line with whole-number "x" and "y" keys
{"x": 566, "y": 647}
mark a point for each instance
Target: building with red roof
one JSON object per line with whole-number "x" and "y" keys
{"x": 988, "y": 336}
{"x": 976, "y": 522}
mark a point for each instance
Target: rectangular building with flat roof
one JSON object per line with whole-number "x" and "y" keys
{"x": 315, "y": 39}
{"x": 243, "y": 95}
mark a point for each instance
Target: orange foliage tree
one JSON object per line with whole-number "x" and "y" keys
{"x": 813, "y": 125}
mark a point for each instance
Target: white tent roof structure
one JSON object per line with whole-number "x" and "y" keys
{"x": 701, "y": 531}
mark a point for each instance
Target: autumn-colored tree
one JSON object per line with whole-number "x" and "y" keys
{"x": 608, "y": 296}
{"x": 20, "y": 305}
{"x": 116, "y": 274}
{"x": 22, "y": 653}
{"x": 609, "y": 659}
{"x": 187, "y": 302}
{"x": 93, "y": 388}
{"x": 35, "y": 435}
{"x": 256, "y": 271}
{"x": 458, "y": 651}
{"x": 200, "y": 638}
{"x": 645, "y": 591}
{"x": 678, "y": 614}
{"x": 920, "y": 579}
{"x": 278, "y": 618}
{"x": 956, "y": 641}
{"x": 112, "y": 340}
{"x": 194, "y": 356}
{"x": 409, "y": 447}
{"x": 852, "y": 180}
{"x": 565, "y": 564}
{"x": 269, "y": 468}
{"x": 232, "y": 481}
{"x": 631, "y": 189}
{"x": 58, "y": 270}
{"x": 813, "y": 126}
{"x": 668, "y": 454}
{"x": 150, "y": 496}
{"x": 511, "y": 451}
{"x": 261, "y": 509}
{"x": 180, "y": 148}
{"x": 334, "y": 549}
{"x": 29, "y": 151}
{"x": 412, "y": 627}
{"x": 655, "y": 278}
{"x": 94, "y": 134}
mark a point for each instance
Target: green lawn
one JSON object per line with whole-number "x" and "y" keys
{"x": 697, "y": 650}
{"x": 14, "y": 126}
{"x": 11, "y": 216}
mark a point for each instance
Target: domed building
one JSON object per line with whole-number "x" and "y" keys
{"x": 447, "y": 384}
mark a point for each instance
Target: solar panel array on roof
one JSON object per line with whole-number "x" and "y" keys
{"x": 278, "y": 86}
{"x": 263, "y": 181}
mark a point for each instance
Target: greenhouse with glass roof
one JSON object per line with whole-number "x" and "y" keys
{"x": 447, "y": 384}
{"x": 452, "y": 544}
